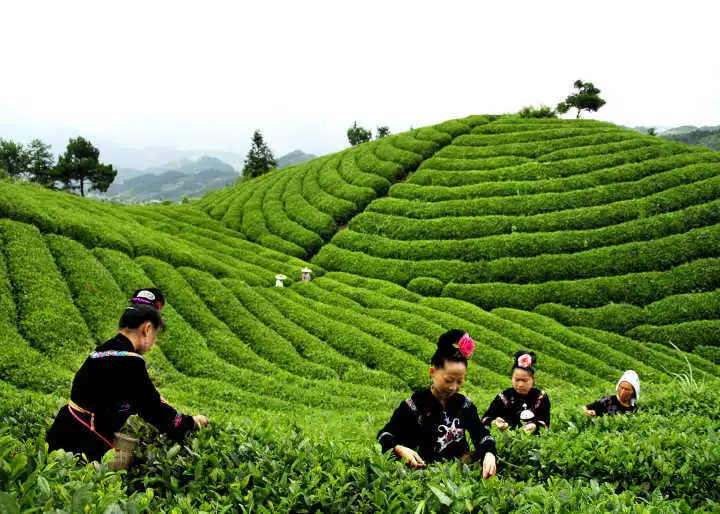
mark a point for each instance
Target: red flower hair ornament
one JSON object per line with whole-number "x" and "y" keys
{"x": 466, "y": 345}
{"x": 525, "y": 360}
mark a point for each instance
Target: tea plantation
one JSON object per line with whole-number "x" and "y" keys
{"x": 595, "y": 246}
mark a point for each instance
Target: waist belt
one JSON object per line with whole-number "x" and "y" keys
{"x": 72, "y": 407}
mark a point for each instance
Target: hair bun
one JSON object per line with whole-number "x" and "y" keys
{"x": 448, "y": 341}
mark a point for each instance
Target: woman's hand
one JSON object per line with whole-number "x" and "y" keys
{"x": 590, "y": 413}
{"x": 489, "y": 465}
{"x": 410, "y": 456}
{"x": 201, "y": 421}
{"x": 500, "y": 423}
{"x": 529, "y": 428}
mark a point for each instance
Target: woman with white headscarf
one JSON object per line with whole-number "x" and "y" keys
{"x": 625, "y": 400}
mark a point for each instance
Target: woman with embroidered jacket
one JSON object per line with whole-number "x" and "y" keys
{"x": 113, "y": 383}
{"x": 432, "y": 424}
{"x": 522, "y": 405}
{"x": 624, "y": 402}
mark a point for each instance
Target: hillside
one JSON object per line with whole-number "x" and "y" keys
{"x": 708, "y": 137}
{"x": 593, "y": 245}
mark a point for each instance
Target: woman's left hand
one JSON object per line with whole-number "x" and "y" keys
{"x": 529, "y": 428}
{"x": 489, "y": 465}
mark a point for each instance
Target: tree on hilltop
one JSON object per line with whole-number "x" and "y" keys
{"x": 41, "y": 163}
{"x": 357, "y": 135}
{"x": 80, "y": 165}
{"x": 260, "y": 158}
{"x": 33, "y": 162}
{"x": 13, "y": 158}
{"x": 586, "y": 99}
{"x": 382, "y": 131}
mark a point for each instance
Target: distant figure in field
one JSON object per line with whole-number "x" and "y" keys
{"x": 624, "y": 402}
{"x": 431, "y": 425}
{"x": 522, "y": 405}
{"x": 113, "y": 383}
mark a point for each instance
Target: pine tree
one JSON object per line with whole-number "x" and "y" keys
{"x": 80, "y": 166}
{"x": 259, "y": 159}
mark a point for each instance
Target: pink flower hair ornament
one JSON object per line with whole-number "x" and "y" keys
{"x": 466, "y": 345}
{"x": 525, "y": 360}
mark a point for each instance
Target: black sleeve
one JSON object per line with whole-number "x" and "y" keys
{"x": 402, "y": 429}
{"x": 542, "y": 413}
{"x": 156, "y": 411}
{"x": 483, "y": 442}
{"x": 600, "y": 407}
{"x": 496, "y": 410}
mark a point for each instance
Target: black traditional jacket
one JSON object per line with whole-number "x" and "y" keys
{"x": 110, "y": 386}
{"x": 518, "y": 410}
{"x": 436, "y": 432}
{"x": 610, "y": 405}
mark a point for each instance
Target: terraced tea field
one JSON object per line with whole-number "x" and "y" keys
{"x": 595, "y": 246}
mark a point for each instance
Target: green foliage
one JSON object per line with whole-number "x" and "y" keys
{"x": 426, "y": 286}
{"x": 543, "y": 111}
{"x": 598, "y": 227}
{"x": 259, "y": 159}
{"x": 708, "y": 137}
{"x": 586, "y": 99}
{"x": 13, "y": 157}
{"x": 80, "y": 164}
{"x": 357, "y": 135}
{"x": 382, "y": 131}
{"x": 686, "y": 335}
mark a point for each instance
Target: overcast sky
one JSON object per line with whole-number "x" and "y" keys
{"x": 198, "y": 75}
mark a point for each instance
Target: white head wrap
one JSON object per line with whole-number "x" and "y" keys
{"x": 631, "y": 378}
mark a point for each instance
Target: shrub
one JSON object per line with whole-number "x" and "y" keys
{"x": 426, "y": 286}
{"x": 537, "y": 112}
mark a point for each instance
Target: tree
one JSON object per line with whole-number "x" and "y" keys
{"x": 382, "y": 132}
{"x": 13, "y": 158}
{"x": 80, "y": 164}
{"x": 586, "y": 99}
{"x": 651, "y": 131}
{"x": 357, "y": 135}
{"x": 41, "y": 163}
{"x": 260, "y": 158}
{"x": 540, "y": 112}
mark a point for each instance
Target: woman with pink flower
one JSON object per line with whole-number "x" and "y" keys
{"x": 432, "y": 424}
{"x": 522, "y": 405}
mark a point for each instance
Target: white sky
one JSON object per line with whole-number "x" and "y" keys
{"x": 205, "y": 74}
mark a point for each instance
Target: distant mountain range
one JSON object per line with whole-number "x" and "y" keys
{"x": 181, "y": 177}
{"x": 707, "y": 136}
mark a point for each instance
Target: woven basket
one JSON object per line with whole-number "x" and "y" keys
{"x": 124, "y": 446}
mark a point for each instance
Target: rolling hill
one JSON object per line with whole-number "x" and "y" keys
{"x": 593, "y": 245}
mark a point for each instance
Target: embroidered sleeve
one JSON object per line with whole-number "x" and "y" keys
{"x": 483, "y": 442}
{"x": 496, "y": 409}
{"x": 155, "y": 410}
{"x": 402, "y": 428}
{"x": 542, "y": 410}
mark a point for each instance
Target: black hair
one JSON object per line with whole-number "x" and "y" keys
{"x": 516, "y": 364}
{"x": 148, "y": 296}
{"x": 136, "y": 315}
{"x": 447, "y": 349}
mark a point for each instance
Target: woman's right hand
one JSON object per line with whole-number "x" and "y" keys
{"x": 589, "y": 412}
{"x": 500, "y": 423}
{"x": 410, "y": 456}
{"x": 201, "y": 421}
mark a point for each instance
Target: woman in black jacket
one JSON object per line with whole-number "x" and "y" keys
{"x": 522, "y": 405}
{"x": 432, "y": 424}
{"x": 113, "y": 383}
